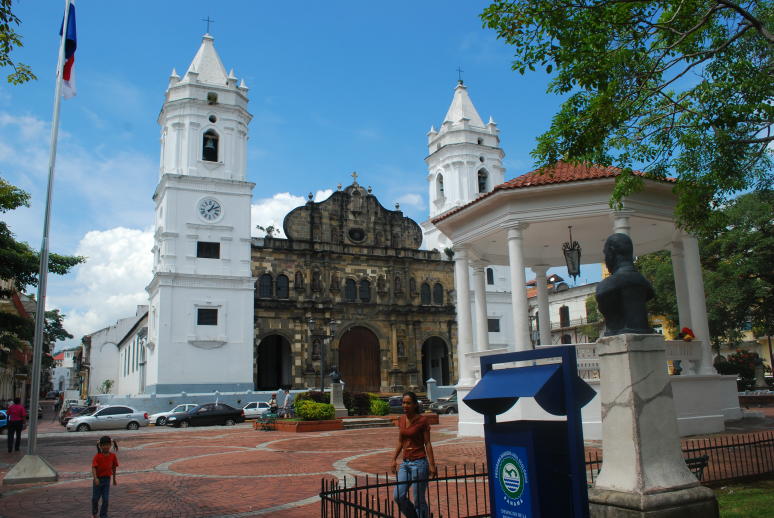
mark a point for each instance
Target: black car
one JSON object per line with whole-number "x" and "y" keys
{"x": 207, "y": 415}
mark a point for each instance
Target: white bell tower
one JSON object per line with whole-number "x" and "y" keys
{"x": 200, "y": 321}
{"x": 464, "y": 161}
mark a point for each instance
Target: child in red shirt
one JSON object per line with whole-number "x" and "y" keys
{"x": 103, "y": 466}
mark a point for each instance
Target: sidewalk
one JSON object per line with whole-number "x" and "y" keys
{"x": 226, "y": 472}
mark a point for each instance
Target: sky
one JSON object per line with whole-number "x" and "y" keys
{"x": 335, "y": 87}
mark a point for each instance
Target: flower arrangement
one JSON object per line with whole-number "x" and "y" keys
{"x": 686, "y": 334}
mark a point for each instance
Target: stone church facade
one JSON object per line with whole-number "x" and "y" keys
{"x": 350, "y": 287}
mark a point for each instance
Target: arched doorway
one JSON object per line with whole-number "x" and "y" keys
{"x": 272, "y": 367}
{"x": 435, "y": 361}
{"x": 359, "y": 360}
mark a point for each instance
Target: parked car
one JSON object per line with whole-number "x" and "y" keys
{"x": 255, "y": 409}
{"x": 445, "y": 406}
{"x": 160, "y": 418}
{"x": 74, "y": 410}
{"x": 396, "y": 404}
{"x": 108, "y": 418}
{"x": 208, "y": 414}
{"x": 3, "y": 420}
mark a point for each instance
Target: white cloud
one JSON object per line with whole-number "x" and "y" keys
{"x": 272, "y": 211}
{"x": 412, "y": 200}
{"x": 111, "y": 283}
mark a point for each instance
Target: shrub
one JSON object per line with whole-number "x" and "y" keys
{"x": 379, "y": 407}
{"x": 314, "y": 395}
{"x": 311, "y": 411}
{"x": 361, "y": 403}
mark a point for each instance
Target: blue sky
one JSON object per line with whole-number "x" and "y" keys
{"x": 335, "y": 87}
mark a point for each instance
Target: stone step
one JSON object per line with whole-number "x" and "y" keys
{"x": 367, "y": 422}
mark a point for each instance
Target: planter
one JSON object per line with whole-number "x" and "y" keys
{"x": 308, "y": 426}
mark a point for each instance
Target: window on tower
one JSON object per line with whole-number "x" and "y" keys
{"x": 424, "y": 294}
{"x": 365, "y": 290}
{"x": 207, "y": 317}
{"x": 264, "y": 286}
{"x": 207, "y": 250}
{"x": 489, "y": 276}
{"x": 282, "y": 286}
{"x": 438, "y": 294}
{"x": 483, "y": 180}
{"x": 210, "y": 146}
{"x": 440, "y": 186}
{"x": 349, "y": 290}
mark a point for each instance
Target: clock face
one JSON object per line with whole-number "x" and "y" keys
{"x": 210, "y": 209}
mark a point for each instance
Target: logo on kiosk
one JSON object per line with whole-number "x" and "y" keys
{"x": 512, "y": 475}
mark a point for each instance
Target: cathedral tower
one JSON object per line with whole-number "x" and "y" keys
{"x": 201, "y": 297}
{"x": 464, "y": 161}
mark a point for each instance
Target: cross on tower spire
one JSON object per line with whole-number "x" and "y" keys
{"x": 459, "y": 74}
{"x": 354, "y": 176}
{"x": 209, "y": 21}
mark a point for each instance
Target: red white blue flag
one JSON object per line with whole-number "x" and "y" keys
{"x": 68, "y": 72}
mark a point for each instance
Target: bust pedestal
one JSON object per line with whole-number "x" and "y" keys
{"x": 337, "y": 400}
{"x": 643, "y": 472}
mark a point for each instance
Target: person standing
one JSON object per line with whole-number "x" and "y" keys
{"x": 103, "y": 467}
{"x": 418, "y": 459}
{"x": 286, "y": 405}
{"x": 16, "y": 416}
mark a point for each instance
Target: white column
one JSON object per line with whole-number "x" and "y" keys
{"x": 479, "y": 294}
{"x": 621, "y": 223}
{"x": 681, "y": 286}
{"x": 464, "y": 322}
{"x": 697, "y": 302}
{"x": 544, "y": 319}
{"x": 519, "y": 303}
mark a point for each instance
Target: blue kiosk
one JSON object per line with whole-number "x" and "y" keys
{"x": 536, "y": 468}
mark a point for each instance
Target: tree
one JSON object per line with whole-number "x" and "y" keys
{"x": 18, "y": 262}
{"x": 270, "y": 230}
{"x": 593, "y": 326}
{"x": 673, "y": 87}
{"x": 105, "y": 387}
{"x": 9, "y": 40}
{"x": 736, "y": 263}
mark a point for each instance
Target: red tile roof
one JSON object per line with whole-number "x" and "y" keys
{"x": 59, "y": 356}
{"x": 561, "y": 172}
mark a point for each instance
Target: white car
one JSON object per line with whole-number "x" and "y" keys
{"x": 160, "y": 419}
{"x": 255, "y": 409}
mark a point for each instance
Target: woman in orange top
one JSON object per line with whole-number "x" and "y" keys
{"x": 418, "y": 461}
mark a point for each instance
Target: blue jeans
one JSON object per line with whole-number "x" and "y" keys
{"x": 409, "y": 471}
{"x": 101, "y": 490}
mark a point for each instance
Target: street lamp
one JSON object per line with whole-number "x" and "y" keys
{"x": 572, "y": 256}
{"x": 319, "y": 334}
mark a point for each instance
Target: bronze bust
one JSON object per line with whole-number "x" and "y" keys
{"x": 623, "y": 296}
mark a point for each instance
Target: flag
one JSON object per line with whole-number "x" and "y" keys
{"x": 68, "y": 73}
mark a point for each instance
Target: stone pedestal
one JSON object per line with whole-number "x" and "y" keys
{"x": 337, "y": 400}
{"x": 643, "y": 472}
{"x": 760, "y": 378}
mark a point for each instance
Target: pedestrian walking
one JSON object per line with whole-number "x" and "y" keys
{"x": 16, "y": 416}
{"x": 418, "y": 460}
{"x": 287, "y": 408}
{"x": 103, "y": 467}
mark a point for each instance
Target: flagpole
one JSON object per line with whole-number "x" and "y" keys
{"x": 31, "y": 467}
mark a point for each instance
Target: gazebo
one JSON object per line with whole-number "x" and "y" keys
{"x": 523, "y": 222}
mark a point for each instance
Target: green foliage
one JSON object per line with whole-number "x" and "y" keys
{"x": 681, "y": 87}
{"x": 270, "y": 230}
{"x": 737, "y": 252}
{"x": 9, "y": 40}
{"x": 18, "y": 262}
{"x": 593, "y": 327}
{"x": 308, "y": 410}
{"x": 105, "y": 387}
{"x": 361, "y": 404}
{"x": 379, "y": 407}
{"x": 314, "y": 395}
{"x": 741, "y": 363}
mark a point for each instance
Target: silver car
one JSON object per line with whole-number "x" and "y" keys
{"x": 109, "y": 418}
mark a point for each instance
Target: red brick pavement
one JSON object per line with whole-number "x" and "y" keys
{"x": 215, "y": 471}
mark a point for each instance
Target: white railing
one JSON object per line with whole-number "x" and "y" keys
{"x": 687, "y": 353}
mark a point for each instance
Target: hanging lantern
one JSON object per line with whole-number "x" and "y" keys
{"x": 572, "y": 256}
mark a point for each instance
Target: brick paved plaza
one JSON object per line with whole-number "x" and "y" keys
{"x": 212, "y": 471}
{"x": 223, "y": 472}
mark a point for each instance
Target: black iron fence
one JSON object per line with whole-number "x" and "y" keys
{"x": 464, "y": 492}
{"x": 457, "y": 492}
